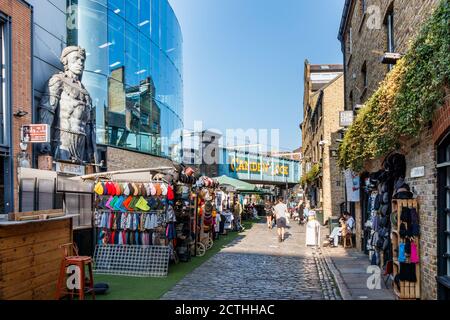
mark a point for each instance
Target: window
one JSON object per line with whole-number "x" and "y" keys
{"x": 3, "y": 111}
{"x": 352, "y": 101}
{"x": 444, "y": 217}
{"x": 6, "y": 172}
{"x": 390, "y": 33}
{"x": 350, "y": 41}
{"x": 364, "y": 74}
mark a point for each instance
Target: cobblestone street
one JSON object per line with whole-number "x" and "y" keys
{"x": 257, "y": 267}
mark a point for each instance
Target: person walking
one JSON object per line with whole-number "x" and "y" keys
{"x": 237, "y": 213}
{"x": 281, "y": 212}
{"x": 268, "y": 208}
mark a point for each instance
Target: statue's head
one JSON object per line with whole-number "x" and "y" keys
{"x": 73, "y": 58}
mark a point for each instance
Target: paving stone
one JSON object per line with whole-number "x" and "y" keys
{"x": 257, "y": 267}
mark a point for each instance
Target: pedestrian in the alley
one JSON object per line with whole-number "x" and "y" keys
{"x": 237, "y": 213}
{"x": 281, "y": 212}
{"x": 268, "y": 208}
{"x": 337, "y": 232}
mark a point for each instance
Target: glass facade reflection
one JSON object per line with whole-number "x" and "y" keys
{"x": 133, "y": 72}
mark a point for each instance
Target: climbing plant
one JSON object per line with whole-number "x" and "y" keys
{"x": 311, "y": 175}
{"x": 406, "y": 100}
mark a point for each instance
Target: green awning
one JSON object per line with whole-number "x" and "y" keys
{"x": 238, "y": 185}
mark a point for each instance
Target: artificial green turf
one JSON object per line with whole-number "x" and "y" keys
{"x": 136, "y": 288}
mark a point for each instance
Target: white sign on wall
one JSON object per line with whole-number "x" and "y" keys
{"x": 345, "y": 118}
{"x": 418, "y": 172}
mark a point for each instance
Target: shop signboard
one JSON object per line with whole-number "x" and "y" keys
{"x": 259, "y": 168}
{"x": 345, "y": 118}
{"x": 35, "y": 133}
{"x": 70, "y": 168}
{"x": 418, "y": 172}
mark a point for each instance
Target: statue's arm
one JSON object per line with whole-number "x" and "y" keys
{"x": 47, "y": 108}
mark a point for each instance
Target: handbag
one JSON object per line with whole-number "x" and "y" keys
{"x": 414, "y": 253}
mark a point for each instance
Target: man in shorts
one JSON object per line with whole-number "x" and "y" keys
{"x": 281, "y": 212}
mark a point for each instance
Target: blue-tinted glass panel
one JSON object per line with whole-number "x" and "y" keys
{"x": 144, "y": 17}
{"x": 91, "y": 33}
{"x": 97, "y": 85}
{"x": 131, "y": 55}
{"x": 117, "y": 6}
{"x": 155, "y": 21}
{"x": 144, "y": 58}
{"x": 116, "y": 41}
{"x": 131, "y": 12}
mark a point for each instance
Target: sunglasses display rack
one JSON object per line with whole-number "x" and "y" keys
{"x": 409, "y": 261}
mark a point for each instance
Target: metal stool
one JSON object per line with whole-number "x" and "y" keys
{"x": 71, "y": 257}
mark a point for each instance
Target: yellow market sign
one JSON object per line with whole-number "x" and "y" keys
{"x": 243, "y": 165}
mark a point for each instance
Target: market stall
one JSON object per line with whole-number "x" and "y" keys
{"x": 391, "y": 226}
{"x": 144, "y": 219}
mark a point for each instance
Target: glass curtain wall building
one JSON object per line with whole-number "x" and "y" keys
{"x": 133, "y": 72}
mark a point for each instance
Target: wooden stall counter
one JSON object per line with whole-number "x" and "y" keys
{"x": 30, "y": 257}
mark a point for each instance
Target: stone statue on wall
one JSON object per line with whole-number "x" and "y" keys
{"x": 67, "y": 108}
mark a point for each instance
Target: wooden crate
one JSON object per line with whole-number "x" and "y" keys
{"x": 408, "y": 290}
{"x": 30, "y": 258}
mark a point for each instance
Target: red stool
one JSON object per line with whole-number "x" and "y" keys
{"x": 71, "y": 257}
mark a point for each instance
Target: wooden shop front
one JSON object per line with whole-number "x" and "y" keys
{"x": 30, "y": 256}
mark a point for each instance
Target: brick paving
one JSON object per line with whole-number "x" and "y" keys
{"x": 257, "y": 267}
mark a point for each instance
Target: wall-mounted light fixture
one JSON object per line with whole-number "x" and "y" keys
{"x": 20, "y": 113}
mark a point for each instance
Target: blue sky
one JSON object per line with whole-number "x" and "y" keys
{"x": 243, "y": 60}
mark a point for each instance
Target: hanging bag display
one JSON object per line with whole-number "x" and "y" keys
{"x": 414, "y": 253}
{"x": 401, "y": 252}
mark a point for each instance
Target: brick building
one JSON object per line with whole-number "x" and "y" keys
{"x": 17, "y": 101}
{"x": 368, "y": 30}
{"x": 322, "y": 101}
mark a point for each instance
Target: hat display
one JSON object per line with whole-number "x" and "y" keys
{"x": 131, "y": 188}
{"x": 98, "y": 188}
{"x": 163, "y": 189}
{"x": 170, "y": 193}
{"x": 107, "y": 204}
{"x": 142, "y": 204}
{"x": 117, "y": 187}
{"x": 135, "y": 189}
{"x": 158, "y": 189}
{"x": 127, "y": 202}
{"x": 126, "y": 189}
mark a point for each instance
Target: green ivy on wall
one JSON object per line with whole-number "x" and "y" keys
{"x": 311, "y": 175}
{"x": 407, "y": 98}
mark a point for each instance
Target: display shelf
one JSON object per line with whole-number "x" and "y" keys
{"x": 408, "y": 290}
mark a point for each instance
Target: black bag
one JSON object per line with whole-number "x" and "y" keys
{"x": 414, "y": 216}
{"x": 403, "y": 231}
{"x": 408, "y": 272}
{"x": 408, "y": 247}
{"x": 405, "y": 216}
{"x": 415, "y": 230}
